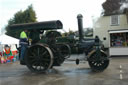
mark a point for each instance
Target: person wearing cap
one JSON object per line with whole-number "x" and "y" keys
{"x": 23, "y": 44}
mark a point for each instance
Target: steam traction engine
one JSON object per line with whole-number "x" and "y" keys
{"x": 46, "y": 52}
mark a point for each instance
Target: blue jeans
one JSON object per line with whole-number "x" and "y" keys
{"x": 23, "y": 50}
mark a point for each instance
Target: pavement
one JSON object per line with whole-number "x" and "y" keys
{"x": 67, "y": 74}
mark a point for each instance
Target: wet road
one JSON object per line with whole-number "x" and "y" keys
{"x": 67, "y": 74}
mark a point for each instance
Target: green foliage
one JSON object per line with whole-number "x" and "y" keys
{"x": 25, "y": 16}
{"x": 68, "y": 33}
{"x": 71, "y": 32}
{"x": 65, "y": 34}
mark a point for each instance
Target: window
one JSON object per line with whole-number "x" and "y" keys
{"x": 114, "y": 20}
{"x": 119, "y": 39}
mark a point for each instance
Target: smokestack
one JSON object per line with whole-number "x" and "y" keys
{"x": 80, "y": 26}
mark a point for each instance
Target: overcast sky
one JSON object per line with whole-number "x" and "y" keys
{"x": 64, "y": 10}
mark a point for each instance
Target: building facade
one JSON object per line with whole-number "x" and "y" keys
{"x": 113, "y": 31}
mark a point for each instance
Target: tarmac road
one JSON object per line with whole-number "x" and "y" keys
{"x": 67, "y": 74}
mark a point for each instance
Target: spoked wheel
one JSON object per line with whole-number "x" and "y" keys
{"x": 39, "y": 58}
{"x": 98, "y": 65}
{"x": 65, "y": 50}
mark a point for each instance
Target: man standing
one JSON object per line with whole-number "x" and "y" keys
{"x": 23, "y": 44}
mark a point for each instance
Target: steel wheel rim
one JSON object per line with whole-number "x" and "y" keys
{"x": 65, "y": 50}
{"x": 98, "y": 65}
{"x": 39, "y": 58}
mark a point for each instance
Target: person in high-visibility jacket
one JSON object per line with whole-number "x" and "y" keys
{"x": 23, "y": 44}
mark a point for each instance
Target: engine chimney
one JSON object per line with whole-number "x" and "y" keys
{"x": 80, "y": 26}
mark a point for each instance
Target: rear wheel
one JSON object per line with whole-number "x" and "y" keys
{"x": 39, "y": 58}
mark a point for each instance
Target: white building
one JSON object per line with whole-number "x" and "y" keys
{"x": 113, "y": 31}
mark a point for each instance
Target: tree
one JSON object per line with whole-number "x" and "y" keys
{"x": 111, "y": 6}
{"x": 25, "y": 16}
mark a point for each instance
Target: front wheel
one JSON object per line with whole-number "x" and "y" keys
{"x": 98, "y": 64}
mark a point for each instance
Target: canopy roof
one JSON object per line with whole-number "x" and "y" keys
{"x": 118, "y": 31}
{"x": 5, "y": 39}
{"x": 46, "y": 25}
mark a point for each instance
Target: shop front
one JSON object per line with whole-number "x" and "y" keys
{"x": 118, "y": 42}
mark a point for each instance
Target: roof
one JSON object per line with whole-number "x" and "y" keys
{"x": 5, "y": 39}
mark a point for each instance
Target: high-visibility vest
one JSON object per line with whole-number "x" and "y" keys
{"x": 23, "y": 35}
{"x": 23, "y": 38}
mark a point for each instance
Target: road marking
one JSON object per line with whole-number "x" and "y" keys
{"x": 121, "y": 71}
{"x": 120, "y": 66}
{"x": 121, "y": 77}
